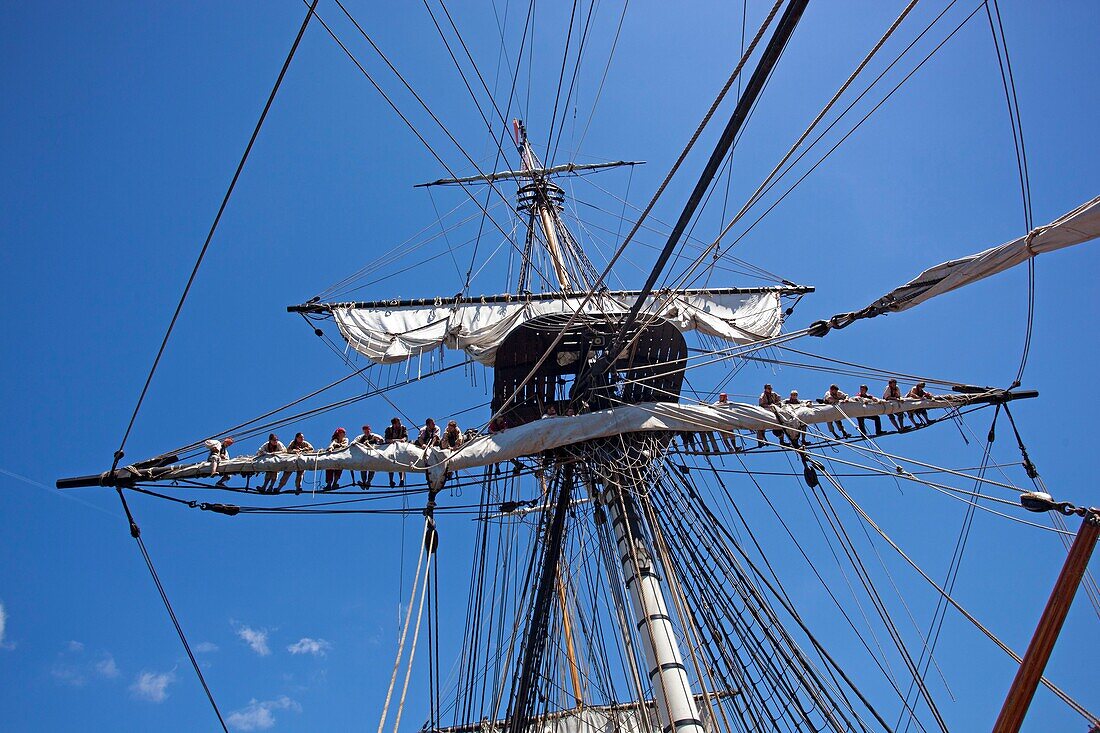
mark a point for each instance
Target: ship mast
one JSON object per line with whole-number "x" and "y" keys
{"x": 537, "y": 196}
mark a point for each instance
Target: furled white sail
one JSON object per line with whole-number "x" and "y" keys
{"x": 388, "y": 335}
{"x": 621, "y": 718}
{"x": 1078, "y": 226}
{"x": 542, "y": 435}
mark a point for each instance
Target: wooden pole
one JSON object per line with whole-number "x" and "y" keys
{"x": 1050, "y": 625}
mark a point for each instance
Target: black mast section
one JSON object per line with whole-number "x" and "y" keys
{"x": 767, "y": 63}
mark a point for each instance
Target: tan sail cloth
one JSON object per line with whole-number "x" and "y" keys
{"x": 388, "y": 335}
{"x": 1078, "y": 226}
{"x": 542, "y": 435}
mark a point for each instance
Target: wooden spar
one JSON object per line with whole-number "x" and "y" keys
{"x": 1038, "y": 652}
{"x": 543, "y": 207}
{"x": 570, "y": 651}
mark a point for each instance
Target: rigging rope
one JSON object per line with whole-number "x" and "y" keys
{"x": 405, "y": 629}
{"x": 213, "y": 227}
{"x": 1091, "y": 718}
{"x": 135, "y": 532}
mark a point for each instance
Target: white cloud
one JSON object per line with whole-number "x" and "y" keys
{"x": 68, "y": 674}
{"x": 305, "y": 645}
{"x": 3, "y": 628}
{"x": 106, "y": 667}
{"x": 206, "y": 647}
{"x": 152, "y": 686}
{"x": 259, "y": 715}
{"x": 76, "y": 646}
{"x": 255, "y": 638}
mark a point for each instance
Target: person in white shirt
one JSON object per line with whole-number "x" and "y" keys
{"x": 767, "y": 398}
{"x": 918, "y": 393}
{"x": 893, "y": 394}
{"x": 834, "y": 397}
{"x": 272, "y": 447}
{"x": 219, "y": 451}
{"x": 369, "y": 439}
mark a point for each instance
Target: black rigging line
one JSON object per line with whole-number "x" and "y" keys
{"x": 573, "y": 81}
{"x": 607, "y": 67}
{"x": 213, "y": 228}
{"x": 408, "y": 123}
{"x": 770, "y": 56}
{"x": 135, "y": 532}
{"x": 652, "y": 202}
{"x": 1004, "y": 64}
{"x": 561, "y": 78}
{"x": 498, "y": 140}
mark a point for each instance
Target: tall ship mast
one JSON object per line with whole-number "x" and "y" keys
{"x": 615, "y": 585}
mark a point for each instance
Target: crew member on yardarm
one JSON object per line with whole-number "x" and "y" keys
{"x": 339, "y": 443}
{"x": 767, "y": 398}
{"x": 728, "y": 438}
{"x": 864, "y": 396}
{"x": 297, "y": 446}
{"x": 918, "y": 393}
{"x": 452, "y": 436}
{"x": 428, "y": 435}
{"x": 893, "y": 394}
{"x": 396, "y": 433}
{"x": 273, "y": 446}
{"x": 834, "y": 397}
{"x": 219, "y": 451}
{"x": 368, "y": 439}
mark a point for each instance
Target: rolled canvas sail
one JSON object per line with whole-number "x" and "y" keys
{"x": 542, "y": 435}
{"x": 1078, "y": 226}
{"x": 388, "y": 335}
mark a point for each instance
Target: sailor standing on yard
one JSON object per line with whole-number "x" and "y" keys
{"x": 339, "y": 443}
{"x": 918, "y": 393}
{"x": 368, "y": 439}
{"x": 834, "y": 397}
{"x": 219, "y": 451}
{"x": 272, "y": 447}
{"x": 768, "y": 398}
{"x": 893, "y": 394}
{"x": 864, "y": 396}
{"x": 297, "y": 446}
{"x": 396, "y": 433}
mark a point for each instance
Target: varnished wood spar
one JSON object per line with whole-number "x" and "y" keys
{"x": 1050, "y": 625}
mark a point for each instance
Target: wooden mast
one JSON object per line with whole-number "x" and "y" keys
{"x": 1050, "y": 625}
{"x": 544, "y": 208}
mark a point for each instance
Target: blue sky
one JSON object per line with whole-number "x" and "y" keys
{"x": 122, "y": 124}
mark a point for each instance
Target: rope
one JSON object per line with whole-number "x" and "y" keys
{"x": 135, "y": 532}
{"x": 1094, "y": 720}
{"x": 404, "y": 633}
{"x": 210, "y": 234}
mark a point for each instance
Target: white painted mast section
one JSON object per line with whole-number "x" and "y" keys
{"x": 547, "y": 216}
{"x": 675, "y": 705}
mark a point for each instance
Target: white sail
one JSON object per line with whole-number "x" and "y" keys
{"x": 550, "y": 433}
{"x": 621, "y": 718}
{"x": 388, "y": 335}
{"x": 1078, "y": 226}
